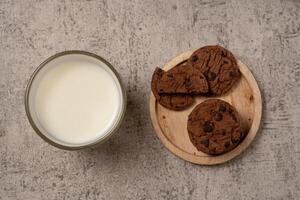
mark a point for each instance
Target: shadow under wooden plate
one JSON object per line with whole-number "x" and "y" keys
{"x": 171, "y": 126}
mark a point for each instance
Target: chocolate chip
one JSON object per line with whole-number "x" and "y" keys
{"x": 235, "y": 141}
{"x": 227, "y": 144}
{"x": 223, "y": 132}
{"x": 205, "y": 73}
{"x": 212, "y": 76}
{"x": 232, "y": 74}
{"x": 170, "y": 75}
{"x": 222, "y": 108}
{"x": 188, "y": 82}
{"x": 223, "y": 53}
{"x": 218, "y": 116}
{"x": 232, "y": 115}
{"x": 208, "y": 127}
{"x": 234, "y": 118}
{"x": 213, "y": 150}
{"x": 194, "y": 58}
{"x": 205, "y": 142}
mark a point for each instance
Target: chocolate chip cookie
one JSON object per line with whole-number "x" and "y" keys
{"x": 214, "y": 127}
{"x": 183, "y": 79}
{"x": 170, "y": 101}
{"x": 218, "y": 65}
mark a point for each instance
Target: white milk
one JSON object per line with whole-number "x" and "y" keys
{"x": 76, "y": 99}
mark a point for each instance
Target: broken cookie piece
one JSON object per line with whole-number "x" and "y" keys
{"x": 183, "y": 79}
{"x": 170, "y": 101}
{"x": 218, "y": 65}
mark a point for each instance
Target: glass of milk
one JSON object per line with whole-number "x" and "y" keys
{"x": 75, "y": 100}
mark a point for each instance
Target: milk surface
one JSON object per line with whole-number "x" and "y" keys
{"x": 76, "y": 102}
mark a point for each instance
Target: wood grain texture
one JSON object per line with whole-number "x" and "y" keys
{"x": 171, "y": 126}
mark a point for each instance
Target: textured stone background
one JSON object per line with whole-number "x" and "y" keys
{"x": 136, "y": 36}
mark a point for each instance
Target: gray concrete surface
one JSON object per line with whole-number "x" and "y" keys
{"x": 136, "y": 36}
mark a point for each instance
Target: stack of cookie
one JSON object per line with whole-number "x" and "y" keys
{"x": 213, "y": 125}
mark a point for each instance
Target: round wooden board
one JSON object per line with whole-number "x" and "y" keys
{"x": 171, "y": 126}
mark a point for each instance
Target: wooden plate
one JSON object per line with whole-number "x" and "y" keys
{"x": 171, "y": 126}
